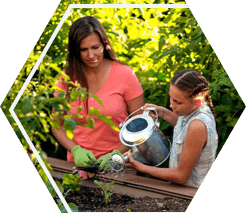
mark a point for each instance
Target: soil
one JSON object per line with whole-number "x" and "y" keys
{"x": 92, "y": 200}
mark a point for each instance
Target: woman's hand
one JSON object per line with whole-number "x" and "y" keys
{"x": 104, "y": 160}
{"x": 85, "y": 175}
{"x": 133, "y": 163}
{"x": 159, "y": 110}
{"x": 163, "y": 113}
{"x": 83, "y": 157}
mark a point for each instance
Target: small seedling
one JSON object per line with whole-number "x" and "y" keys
{"x": 71, "y": 181}
{"x": 105, "y": 188}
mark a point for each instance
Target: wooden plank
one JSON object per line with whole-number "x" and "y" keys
{"x": 54, "y": 162}
{"x": 154, "y": 184}
{"x": 129, "y": 177}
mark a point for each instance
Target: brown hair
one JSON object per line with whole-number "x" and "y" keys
{"x": 79, "y": 30}
{"x": 194, "y": 84}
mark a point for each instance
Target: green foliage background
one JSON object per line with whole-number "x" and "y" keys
{"x": 155, "y": 42}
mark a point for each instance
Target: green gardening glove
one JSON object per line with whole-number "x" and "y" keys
{"x": 104, "y": 160}
{"x": 83, "y": 157}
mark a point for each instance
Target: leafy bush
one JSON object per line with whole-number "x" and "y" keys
{"x": 155, "y": 42}
{"x": 71, "y": 182}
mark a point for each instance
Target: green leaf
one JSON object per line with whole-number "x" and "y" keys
{"x": 154, "y": 55}
{"x": 182, "y": 19}
{"x": 233, "y": 122}
{"x": 69, "y": 124}
{"x": 112, "y": 183}
{"x": 81, "y": 124}
{"x": 169, "y": 16}
{"x": 70, "y": 134}
{"x": 74, "y": 95}
{"x": 197, "y": 33}
{"x": 42, "y": 137}
{"x": 27, "y": 106}
{"x": 79, "y": 108}
{"x": 59, "y": 202}
{"x": 98, "y": 183}
{"x": 98, "y": 100}
{"x": 60, "y": 187}
{"x": 73, "y": 207}
{"x": 62, "y": 208}
{"x": 94, "y": 111}
{"x": 60, "y": 95}
{"x": 79, "y": 116}
{"x": 106, "y": 187}
{"x": 51, "y": 189}
{"x": 55, "y": 123}
{"x": 109, "y": 122}
{"x": 67, "y": 192}
{"x": 222, "y": 108}
{"x": 45, "y": 124}
{"x": 229, "y": 118}
{"x": 107, "y": 195}
{"x": 168, "y": 52}
{"x": 90, "y": 122}
{"x": 161, "y": 42}
{"x": 71, "y": 181}
{"x": 83, "y": 96}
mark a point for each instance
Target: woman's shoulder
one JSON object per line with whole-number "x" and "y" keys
{"x": 123, "y": 70}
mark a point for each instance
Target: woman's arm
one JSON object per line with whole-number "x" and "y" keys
{"x": 194, "y": 142}
{"x": 135, "y": 104}
{"x": 132, "y": 106}
{"x": 122, "y": 148}
{"x": 168, "y": 116}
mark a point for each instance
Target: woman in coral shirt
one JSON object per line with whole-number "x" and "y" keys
{"x": 92, "y": 62}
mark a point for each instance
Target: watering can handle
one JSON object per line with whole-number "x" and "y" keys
{"x": 121, "y": 124}
{"x": 147, "y": 111}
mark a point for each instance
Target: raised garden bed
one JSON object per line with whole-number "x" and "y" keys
{"x": 130, "y": 193}
{"x": 90, "y": 199}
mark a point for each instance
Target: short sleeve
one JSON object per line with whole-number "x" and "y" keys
{"x": 133, "y": 88}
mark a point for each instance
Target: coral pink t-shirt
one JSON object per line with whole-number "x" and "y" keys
{"x": 122, "y": 85}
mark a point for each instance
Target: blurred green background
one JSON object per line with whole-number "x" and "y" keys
{"x": 154, "y": 42}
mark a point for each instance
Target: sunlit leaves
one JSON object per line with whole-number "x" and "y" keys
{"x": 155, "y": 42}
{"x": 98, "y": 100}
{"x": 90, "y": 122}
{"x": 93, "y": 111}
{"x": 74, "y": 95}
{"x": 107, "y": 120}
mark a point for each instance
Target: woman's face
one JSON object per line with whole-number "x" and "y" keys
{"x": 91, "y": 51}
{"x": 179, "y": 102}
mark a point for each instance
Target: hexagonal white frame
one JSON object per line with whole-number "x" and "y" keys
{"x": 11, "y": 109}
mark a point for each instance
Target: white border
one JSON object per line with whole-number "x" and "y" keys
{"x": 41, "y": 58}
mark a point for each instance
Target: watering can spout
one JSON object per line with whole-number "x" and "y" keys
{"x": 117, "y": 161}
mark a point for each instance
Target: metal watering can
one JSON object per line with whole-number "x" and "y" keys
{"x": 142, "y": 134}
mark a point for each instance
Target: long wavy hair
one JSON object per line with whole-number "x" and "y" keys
{"x": 194, "y": 84}
{"x": 79, "y": 30}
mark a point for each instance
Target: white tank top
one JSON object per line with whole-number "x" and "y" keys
{"x": 208, "y": 153}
